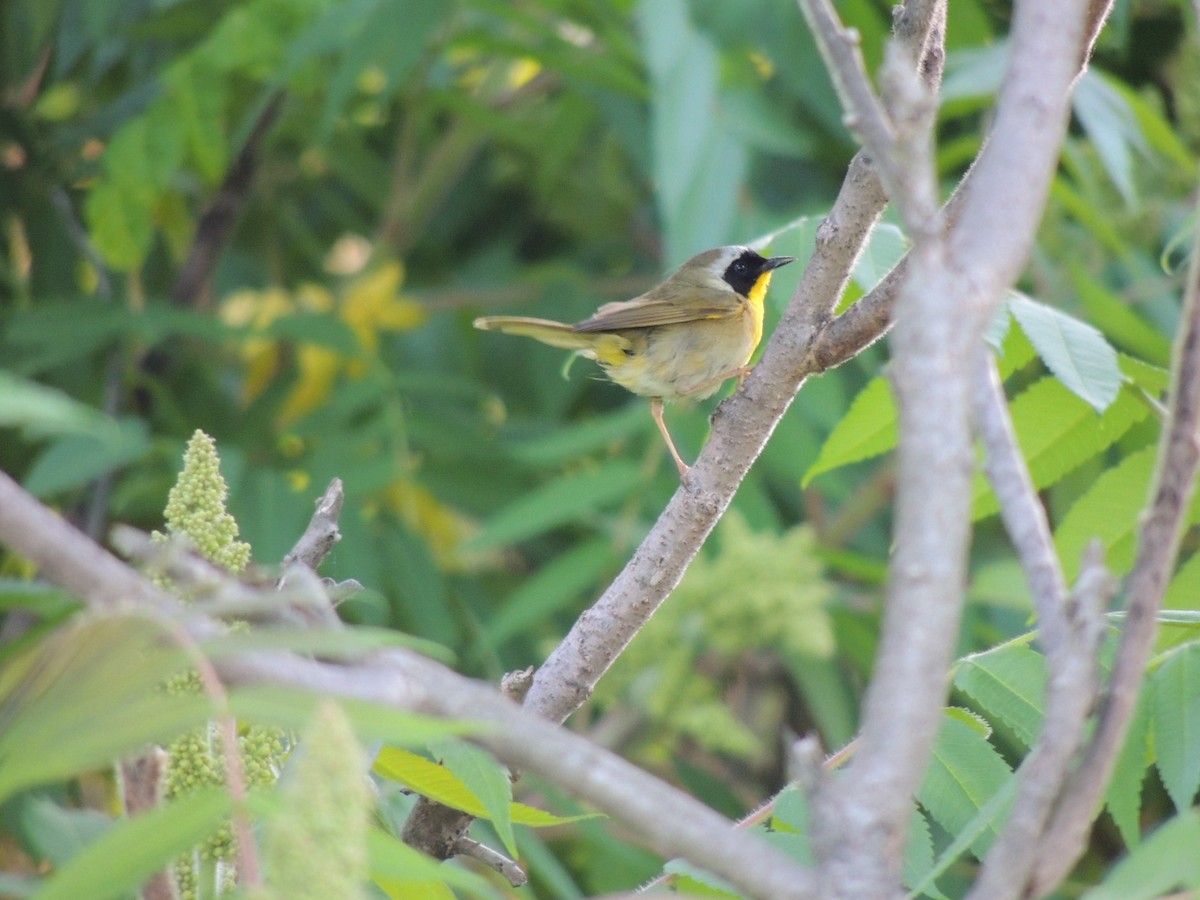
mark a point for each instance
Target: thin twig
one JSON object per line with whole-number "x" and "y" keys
{"x": 322, "y": 531}
{"x": 1069, "y": 630}
{"x": 512, "y": 873}
{"x": 897, "y": 131}
{"x": 864, "y": 113}
{"x": 222, "y": 213}
{"x": 1022, "y": 513}
{"x": 142, "y": 781}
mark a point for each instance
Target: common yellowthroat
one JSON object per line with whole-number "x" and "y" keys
{"x": 683, "y": 338}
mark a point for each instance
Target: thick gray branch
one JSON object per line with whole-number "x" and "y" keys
{"x": 952, "y": 289}
{"x": 668, "y": 820}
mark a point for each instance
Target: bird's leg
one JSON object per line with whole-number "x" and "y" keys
{"x": 656, "y": 410}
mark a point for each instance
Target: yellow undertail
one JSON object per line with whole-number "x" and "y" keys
{"x": 602, "y": 346}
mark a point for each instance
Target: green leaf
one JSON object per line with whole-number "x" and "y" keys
{"x": 868, "y": 429}
{"x": 75, "y": 460}
{"x": 579, "y": 439}
{"x": 918, "y": 856}
{"x": 974, "y": 72}
{"x": 427, "y": 778}
{"x": 970, "y": 718}
{"x": 486, "y": 779}
{"x": 127, "y": 854}
{"x": 1109, "y": 511}
{"x": 147, "y": 149}
{"x": 394, "y": 863}
{"x": 1151, "y": 378}
{"x": 1176, "y": 722}
{"x": 1074, "y": 351}
{"x": 1057, "y": 432}
{"x": 886, "y": 247}
{"x": 51, "y": 607}
{"x": 197, "y": 97}
{"x": 379, "y": 43}
{"x": 699, "y": 161}
{"x": 994, "y": 811}
{"x": 1167, "y": 862}
{"x": 1123, "y": 797}
{"x": 407, "y": 890}
{"x": 86, "y": 694}
{"x": 998, "y": 329}
{"x": 555, "y": 586}
{"x": 1185, "y": 617}
{"x": 293, "y": 708}
{"x": 120, "y": 218}
{"x": 1117, "y": 318}
{"x": 965, "y": 773}
{"x": 558, "y": 502}
{"x": 1008, "y": 683}
{"x": 523, "y": 814}
{"x": 438, "y": 783}
{"x": 1175, "y": 628}
{"x": 58, "y": 833}
{"x": 1159, "y": 133}
{"x": 763, "y": 125}
{"x": 320, "y": 329}
{"x": 789, "y": 811}
{"x": 695, "y": 881}
{"x": 342, "y": 644}
{"x": 1015, "y": 351}
{"x": 42, "y": 412}
{"x": 52, "y": 333}
{"x": 1183, "y": 593}
{"x": 1112, "y": 128}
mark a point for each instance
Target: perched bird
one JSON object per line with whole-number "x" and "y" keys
{"x": 683, "y": 338}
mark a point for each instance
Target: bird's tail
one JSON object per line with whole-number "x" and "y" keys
{"x": 556, "y": 334}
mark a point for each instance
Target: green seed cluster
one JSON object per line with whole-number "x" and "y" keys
{"x": 196, "y": 507}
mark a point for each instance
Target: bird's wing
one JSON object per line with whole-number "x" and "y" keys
{"x": 663, "y": 307}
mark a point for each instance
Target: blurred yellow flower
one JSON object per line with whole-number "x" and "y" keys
{"x": 444, "y": 529}
{"x": 369, "y": 305}
{"x": 298, "y": 480}
{"x": 372, "y": 304}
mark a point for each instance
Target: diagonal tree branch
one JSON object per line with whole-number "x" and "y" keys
{"x": 1158, "y": 545}
{"x": 221, "y": 215}
{"x": 1069, "y": 628}
{"x": 405, "y": 680}
{"x": 741, "y": 427}
{"x": 1020, "y": 509}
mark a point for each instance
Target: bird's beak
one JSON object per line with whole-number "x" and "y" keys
{"x": 776, "y": 261}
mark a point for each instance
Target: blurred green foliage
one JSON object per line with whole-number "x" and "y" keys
{"x": 396, "y": 167}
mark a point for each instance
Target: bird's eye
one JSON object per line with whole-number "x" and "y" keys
{"x": 740, "y": 265}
